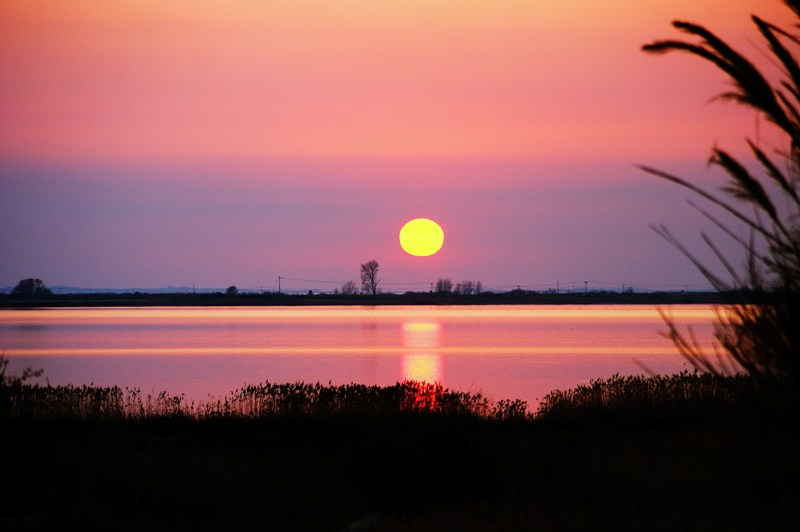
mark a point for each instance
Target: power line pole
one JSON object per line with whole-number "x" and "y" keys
{"x": 279, "y": 285}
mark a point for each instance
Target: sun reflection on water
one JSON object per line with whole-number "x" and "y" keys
{"x": 422, "y": 360}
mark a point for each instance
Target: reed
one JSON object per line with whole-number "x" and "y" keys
{"x": 695, "y": 396}
{"x": 759, "y": 326}
{"x": 410, "y": 456}
{"x": 687, "y": 396}
{"x": 20, "y": 399}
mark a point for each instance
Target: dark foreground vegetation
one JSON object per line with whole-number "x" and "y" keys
{"x": 693, "y": 451}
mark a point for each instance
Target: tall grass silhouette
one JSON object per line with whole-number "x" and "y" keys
{"x": 635, "y": 399}
{"x": 686, "y": 397}
{"x": 760, "y": 325}
{"x": 19, "y": 398}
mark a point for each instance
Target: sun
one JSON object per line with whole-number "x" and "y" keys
{"x": 421, "y": 237}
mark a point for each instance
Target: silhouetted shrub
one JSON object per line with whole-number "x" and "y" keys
{"x": 31, "y": 288}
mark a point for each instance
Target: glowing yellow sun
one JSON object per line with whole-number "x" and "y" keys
{"x": 421, "y": 237}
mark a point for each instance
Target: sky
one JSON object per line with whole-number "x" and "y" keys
{"x": 147, "y": 144}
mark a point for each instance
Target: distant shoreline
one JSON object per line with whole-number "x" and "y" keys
{"x": 113, "y": 299}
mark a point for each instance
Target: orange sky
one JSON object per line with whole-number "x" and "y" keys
{"x": 182, "y": 79}
{"x": 515, "y": 124}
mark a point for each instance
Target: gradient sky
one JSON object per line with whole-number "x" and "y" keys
{"x": 150, "y": 143}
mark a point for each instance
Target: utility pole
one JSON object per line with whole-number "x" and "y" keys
{"x": 279, "y": 285}
{"x": 558, "y": 289}
{"x": 586, "y": 287}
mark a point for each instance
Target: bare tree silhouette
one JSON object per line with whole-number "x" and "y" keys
{"x": 349, "y": 288}
{"x": 444, "y": 286}
{"x": 369, "y": 277}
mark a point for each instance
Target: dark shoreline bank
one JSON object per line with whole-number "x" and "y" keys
{"x": 702, "y": 464}
{"x": 398, "y": 473}
{"x": 112, "y": 299}
{"x": 693, "y": 451}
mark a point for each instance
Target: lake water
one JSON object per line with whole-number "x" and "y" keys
{"x": 504, "y": 351}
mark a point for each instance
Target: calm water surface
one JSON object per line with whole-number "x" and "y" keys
{"x": 504, "y": 351}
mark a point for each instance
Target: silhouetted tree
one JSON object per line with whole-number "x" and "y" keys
{"x": 763, "y": 337}
{"x": 31, "y": 288}
{"x": 349, "y": 288}
{"x": 444, "y": 286}
{"x": 232, "y": 291}
{"x": 465, "y": 287}
{"x": 369, "y": 277}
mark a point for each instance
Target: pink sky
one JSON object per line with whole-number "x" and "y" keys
{"x": 151, "y": 143}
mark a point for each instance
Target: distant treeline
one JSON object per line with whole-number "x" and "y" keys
{"x": 515, "y": 297}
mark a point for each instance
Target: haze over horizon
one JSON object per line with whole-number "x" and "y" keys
{"x": 151, "y": 144}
